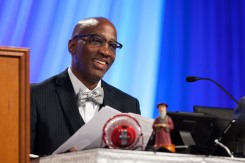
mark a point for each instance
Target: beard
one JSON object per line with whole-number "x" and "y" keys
{"x": 162, "y": 115}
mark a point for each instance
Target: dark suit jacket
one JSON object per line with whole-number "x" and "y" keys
{"x": 54, "y": 112}
{"x": 239, "y": 111}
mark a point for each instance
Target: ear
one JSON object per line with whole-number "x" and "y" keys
{"x": 72, "y": 46}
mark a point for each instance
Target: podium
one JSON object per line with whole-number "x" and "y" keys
{"x": 101, "y": 155}
{"x": 14, "y": 105}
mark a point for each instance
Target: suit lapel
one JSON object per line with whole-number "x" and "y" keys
{"x": 68, "y": 101}
{"x": 108, "y": 95}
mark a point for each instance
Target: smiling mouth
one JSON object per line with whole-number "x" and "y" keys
{"x": 100, "y": 62}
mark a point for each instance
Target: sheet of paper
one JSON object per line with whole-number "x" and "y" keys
{"x": 90, "y": 135}
{"x": 146, "y": 126}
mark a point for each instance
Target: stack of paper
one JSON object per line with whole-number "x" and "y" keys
{"x": 90, "y": 135}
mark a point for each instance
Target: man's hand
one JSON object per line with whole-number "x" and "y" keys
{"x": 72, "y": 149}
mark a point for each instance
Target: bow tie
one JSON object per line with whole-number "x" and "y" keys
{"x": 95, "y": 95}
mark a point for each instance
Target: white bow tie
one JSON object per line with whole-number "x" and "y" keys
{"x": 96, "y": 95}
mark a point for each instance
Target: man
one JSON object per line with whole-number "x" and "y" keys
{"x": 55, "y": 112}
{"x": 162, "y": 127}
{"x": 239, "y": 111}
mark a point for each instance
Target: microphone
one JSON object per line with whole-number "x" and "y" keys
{"x": 194, "y": 78}
{"x": 191, "y": 78}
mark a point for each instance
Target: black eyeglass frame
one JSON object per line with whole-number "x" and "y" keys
{"x": 90, "y": 35}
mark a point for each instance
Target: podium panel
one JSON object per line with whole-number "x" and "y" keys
{"x": 128, "y": 156}
{"x": 14, "y": 105}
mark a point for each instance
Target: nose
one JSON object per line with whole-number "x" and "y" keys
{"x": 105, "y": 50}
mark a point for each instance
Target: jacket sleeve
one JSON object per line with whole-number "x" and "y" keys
{"x": 239, "y": 111}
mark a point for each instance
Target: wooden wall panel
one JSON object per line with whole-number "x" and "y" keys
{"x": 14, "y": 105}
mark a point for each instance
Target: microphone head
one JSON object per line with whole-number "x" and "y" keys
{"x": 191, "y": 78}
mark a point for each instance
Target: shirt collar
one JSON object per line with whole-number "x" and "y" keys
{"x": 77, "y": 84}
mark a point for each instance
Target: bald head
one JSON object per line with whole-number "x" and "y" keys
{"x": 88, "y": 24}
{"x": 90, "y": 61}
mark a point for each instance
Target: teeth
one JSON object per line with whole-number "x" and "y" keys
{"x": 101, "y": 62}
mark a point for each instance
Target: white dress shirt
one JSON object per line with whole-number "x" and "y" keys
{"x": 90, "y": 108}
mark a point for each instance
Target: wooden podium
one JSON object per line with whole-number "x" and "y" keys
{"x": 14, "y": 105}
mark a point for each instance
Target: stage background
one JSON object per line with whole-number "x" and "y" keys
{"x": 163, "y": 42}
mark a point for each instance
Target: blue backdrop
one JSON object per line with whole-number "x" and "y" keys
{"x": 164, "y": 41}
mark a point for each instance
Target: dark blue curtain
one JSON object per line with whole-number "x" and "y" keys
{"x": 203, "y": 38}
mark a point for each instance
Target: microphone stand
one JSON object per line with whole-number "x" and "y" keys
{"x": 217, "y": 141}
{"x": 224, "y": 147}
{"x": 193, "y": 79}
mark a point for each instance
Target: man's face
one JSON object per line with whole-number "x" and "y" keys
{"x": 162, "y": 109}
{"x": 90, "y": 62}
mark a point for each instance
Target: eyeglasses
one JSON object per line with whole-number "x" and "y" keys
{"x": 99, "y": 41}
